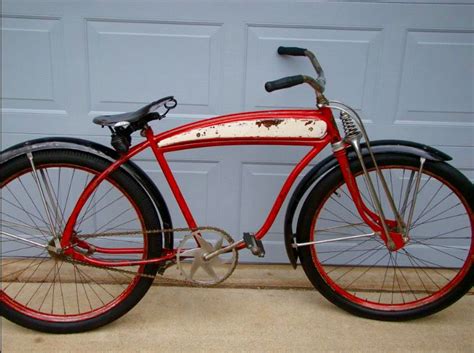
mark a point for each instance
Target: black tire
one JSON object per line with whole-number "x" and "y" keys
{"x": 119, "y": 202}
{"x": 396, "y": 285}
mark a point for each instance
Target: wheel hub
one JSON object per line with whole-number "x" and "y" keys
{"x": 53, "y": 251}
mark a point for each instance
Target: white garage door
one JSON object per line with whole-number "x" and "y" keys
{"x": 406, "y": 66}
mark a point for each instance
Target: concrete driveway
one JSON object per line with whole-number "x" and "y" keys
{"x": 230, "y": 319}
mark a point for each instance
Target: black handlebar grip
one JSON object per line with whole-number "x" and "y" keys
{"x": 284, "y": 82}
{"x": 291, "y": 51}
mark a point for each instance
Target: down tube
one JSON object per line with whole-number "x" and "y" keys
{"x": 286, "y": 188}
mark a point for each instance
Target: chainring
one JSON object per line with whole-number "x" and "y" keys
{"x": 195, "y": 268}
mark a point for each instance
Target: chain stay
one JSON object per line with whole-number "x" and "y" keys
{"x": 128, "y": 233}
{"x": 108, "y": 268}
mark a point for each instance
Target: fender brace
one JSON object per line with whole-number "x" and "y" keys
{"x": 103, "y": 152}
{"x": 310, "y": 179}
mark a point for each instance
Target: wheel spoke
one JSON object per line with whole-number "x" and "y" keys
{"x": 432, "y": 208}
{"x": 28, "y": 214}
{"x": 365, "y": 272}
{"x": 102, "y": 208}
{"x": 432, "y": 219}
{"x": 36, "y": 202}
{"x": 95, "y": 206}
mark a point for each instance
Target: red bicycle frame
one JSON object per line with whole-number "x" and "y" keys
{"x": 276, "y": 127}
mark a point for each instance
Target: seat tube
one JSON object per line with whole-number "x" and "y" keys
{"x": 170, "y": 179}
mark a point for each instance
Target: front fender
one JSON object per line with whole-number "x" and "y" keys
{"x": 104, "y": 152}
{"x": 311, "y": 178}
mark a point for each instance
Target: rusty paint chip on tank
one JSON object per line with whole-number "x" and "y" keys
{"x": 269, "y": 123}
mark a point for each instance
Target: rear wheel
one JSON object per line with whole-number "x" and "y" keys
{"x": 47, "y": 292}
{"x": 353, "y": 268}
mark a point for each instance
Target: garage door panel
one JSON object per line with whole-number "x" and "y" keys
{"x": 437, "y": 78}
{"x": 32, "y": 64}
{"x": 136, "y": 62}
{"x": 260, "y": 184}
{"x": 350, "y": 57}
{"x": 197, "y": 180}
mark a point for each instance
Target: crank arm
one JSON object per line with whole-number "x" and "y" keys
{"x": 228, "y": 248}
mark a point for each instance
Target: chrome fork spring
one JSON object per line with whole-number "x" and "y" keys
{"x": 349, "y": 125}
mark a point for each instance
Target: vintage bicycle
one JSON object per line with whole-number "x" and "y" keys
{"x": 382, "y": 229}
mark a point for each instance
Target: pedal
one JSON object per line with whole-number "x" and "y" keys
{"x": 254, "y": 245}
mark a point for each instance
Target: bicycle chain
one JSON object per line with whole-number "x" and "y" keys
{"x": 127, "y": 233}
{"x": 107, "y": 268}
{"x": 152, "y": 231}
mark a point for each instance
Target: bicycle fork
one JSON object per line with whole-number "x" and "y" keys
{"x": 379, "y": 224}
{"x": 395, "y": 233}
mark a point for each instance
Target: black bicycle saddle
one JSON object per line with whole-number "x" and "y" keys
{"x": 142, "y": 115}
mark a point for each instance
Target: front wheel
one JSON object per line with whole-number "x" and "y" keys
{"x": 353, "y": 268}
